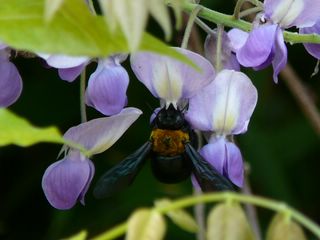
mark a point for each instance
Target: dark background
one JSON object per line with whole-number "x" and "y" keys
{"x": 281, "y": 147}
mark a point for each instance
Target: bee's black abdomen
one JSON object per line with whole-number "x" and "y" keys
{"x": 170, "y": 169}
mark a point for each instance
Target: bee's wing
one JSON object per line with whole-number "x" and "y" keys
{"x": 207, "y": 176}
{"x": 122, "y": 175}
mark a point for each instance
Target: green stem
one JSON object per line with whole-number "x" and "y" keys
{"x": 187, "y": 32}
{"x": 113, "y": 233}
{"x": 218, "y": 197}
{"x": 240, "y": 3}
{"x": 250, "y": 11}
{"x": 204, "y": 26}
{"x": 82, "y": 96}
{"x": 230, "y": 21}
{"x": 218, "y": 66}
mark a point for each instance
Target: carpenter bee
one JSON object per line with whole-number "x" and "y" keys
{"x": 173, "y": 158}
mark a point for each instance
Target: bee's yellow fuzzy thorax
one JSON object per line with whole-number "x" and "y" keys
{"x": 168, "y": 142}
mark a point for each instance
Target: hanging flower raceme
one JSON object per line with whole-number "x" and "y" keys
{"x": 107, "y": 85}
{"x": 170, "y": 80}
{"x": 265, "y": 44}
{"x": 223, "y": 109}
{"x": 10, "y": 79}
{"x": 66, "y": 181}
{"x": 227, "y": 58}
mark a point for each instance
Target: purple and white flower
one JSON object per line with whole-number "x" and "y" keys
{"x": 10, "y": 79}
{"x": 69, "y": 68}
{"x": 170, "y": 80}
{"x": 107, "y": 85}
{"x": 223, "y": 109}
{"x": 265, "y": 44}
{"x": 66, "y": 181}
{"x": 312, "y": 48}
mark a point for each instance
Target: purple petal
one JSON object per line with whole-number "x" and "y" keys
{"x": 235, "y": 170}
{"x": 63, "y": 61}
{"x": 228, "y": 60}
{"x": 225, "y": 106}
{"x": 66, "y": 181}
{"x": 3, "y": 46}
{"x": 258, "y": 46}
{"x": 280, "y": 57}
{"x": 107, "y": 88}
{"x": 10, "y": 83}
{"x": 70, "y": 74}
{"x": 169, "y": 79}
{"x": 215, "y": 154}
{"x": 288, "y": 13}
{"x": 313, "y": 49}
{"x": 226, "y": 158}
{"x": 85, "y": 189}
{"x": 100, "y": 134}
{"x": 237, "y": 38}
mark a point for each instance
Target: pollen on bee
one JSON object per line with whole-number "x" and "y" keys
{"x": 168, "y": 142}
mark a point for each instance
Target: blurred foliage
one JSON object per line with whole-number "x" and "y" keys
{"x": 280, "y": 146}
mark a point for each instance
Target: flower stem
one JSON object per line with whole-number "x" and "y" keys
{"x": 218, "y": 197}
{"x": 189, "y": 26}
{"x": 218, "y": 66}
{"x": 240, "y": 3}
{"x": 230, "y": 21}
{"x": 82, "y": 96}
{"x": 113, "y": 233}
{"x": 249, "y": 11}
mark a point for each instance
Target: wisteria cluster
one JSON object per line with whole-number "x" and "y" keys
{"x": 220, "y": 102}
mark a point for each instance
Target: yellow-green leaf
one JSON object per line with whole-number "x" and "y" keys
{"x": 17, "y": 130}
{"x": 73, "y": 31}
{"x": 227, "y": 221}
{"x": 284, "y": 229}
{"x": 51, "y": 7}
{"x": 78, "y": 236}
{"x": 145, "y": 224}
{"x": 180, "y": 217}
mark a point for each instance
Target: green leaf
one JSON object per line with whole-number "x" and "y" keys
{"x": 79, "y": 236}
{"x": 180, "y": 217}
{"x": 51, "y": 7}
{"x": 145, "y": 224}
{"x": 17, "y": 130}
{"x": 227, "y": 221}
{"x": 73, "y": 31}
{"x": 285, "y": 229}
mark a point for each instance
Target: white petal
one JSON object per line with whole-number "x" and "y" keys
{"x": 225, "y": 106}
{"x": 100, "y": 134}
{"x": 63, "y": 61}
{"x": 169, "y": 79}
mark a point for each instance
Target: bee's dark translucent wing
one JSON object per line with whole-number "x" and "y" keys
{"x": 207, "y": 176}
{"x": 122, "y": 175}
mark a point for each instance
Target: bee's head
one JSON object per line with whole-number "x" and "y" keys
{"x": 170, "y": 118}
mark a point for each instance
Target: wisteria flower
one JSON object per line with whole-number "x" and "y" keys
{"x": 10, "y": 79}
{"x": 265, "y": 44}
{"x": 66, "y": 181}
{"x": 170, "y": 80}
{"x": 313, "y": 49}
{"x": 69, "y": 68}
{"x": 223, "y": 109}
{"x": 107, "y": 85}
{"x": 227, "y": 57}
